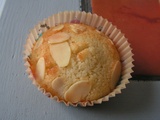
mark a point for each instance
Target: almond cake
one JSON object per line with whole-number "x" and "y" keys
{"x": 75, "y": 62}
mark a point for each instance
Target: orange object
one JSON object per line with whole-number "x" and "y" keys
{"x": 140, "y": 21}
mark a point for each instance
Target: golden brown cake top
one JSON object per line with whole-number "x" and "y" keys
{"x": 75, "y": 62}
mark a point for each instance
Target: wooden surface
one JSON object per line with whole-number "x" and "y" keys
{"x": 20, "y": 100}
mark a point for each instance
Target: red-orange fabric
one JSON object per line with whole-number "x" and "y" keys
{"x": 139, "y": 20}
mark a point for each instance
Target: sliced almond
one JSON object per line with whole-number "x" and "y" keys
{"x": 77, "y": 28}
{"x": 38, "y": 43}
{"x": 58, "y": 37}
{"x": 40, "y": 68}
{"x": 77, "y": 91}
{"x": 58, "y": 85}
{"x": 79, "y": 46}
{"x": 74, "y": 47}
{"x": 115, "y": 74}
{"x": 61, "y": 53}
{"x": 58, "y": 28}
{"x": 82, "y": 45}
{"x": 82, "y": 54}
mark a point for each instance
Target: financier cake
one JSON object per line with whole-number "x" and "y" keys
{"x": 75, "y": 62}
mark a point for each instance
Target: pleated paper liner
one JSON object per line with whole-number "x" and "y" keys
{"x": 103, "y": 25}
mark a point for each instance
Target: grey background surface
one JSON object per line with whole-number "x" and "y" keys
{"x": 20, "y": 100}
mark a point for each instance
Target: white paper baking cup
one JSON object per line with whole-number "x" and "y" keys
{"x": 101, "y": 24}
